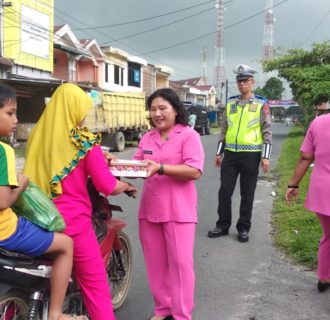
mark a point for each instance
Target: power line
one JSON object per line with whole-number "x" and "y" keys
{"x": 315, "y": 29}
{"x": 145, "y": 19}
{"x": 130, "y": 47}
{"x": 124, "y": 44}
{"x": 16, "y": 18}
{"x": 160, "y": 27}
{"x": 134, "y": 49}
{"x": 177, "y": 68}
{"x": 214, "y": 32}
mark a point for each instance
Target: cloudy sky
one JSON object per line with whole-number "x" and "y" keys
{"x": 173, "y": 32}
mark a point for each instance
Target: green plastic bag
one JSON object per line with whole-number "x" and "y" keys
{"x": 34, "y": 205}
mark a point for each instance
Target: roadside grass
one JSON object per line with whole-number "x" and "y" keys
{"x": 296, "y": 231}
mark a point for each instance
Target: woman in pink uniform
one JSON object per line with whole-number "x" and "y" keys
{"x": 60, "y": 156}
{"x": 316, "y": 148}
{"x": 168, "y": 207}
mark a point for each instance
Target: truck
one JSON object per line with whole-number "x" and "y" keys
{"x": 118, "y": 116}
{"x": 202, "y": 125}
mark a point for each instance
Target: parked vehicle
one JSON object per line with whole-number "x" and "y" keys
{"x": 24, "y": 280}
{"x": 119, "y": 117}
{"x": 202, "y": 125}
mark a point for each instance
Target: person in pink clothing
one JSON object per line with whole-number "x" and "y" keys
{"x": 316, "y": 148}
{"x": 60, "y": 157}
{"x": 168, "y": 206}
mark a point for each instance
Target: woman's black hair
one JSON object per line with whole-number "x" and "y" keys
{"x": 7, "y": 94}
{"x": 170, "y": 96}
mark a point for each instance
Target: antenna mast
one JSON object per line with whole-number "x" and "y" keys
{"x": 219, "y": 77}
{"x": 268, "y": 40}
{"x": 204, "y": 64}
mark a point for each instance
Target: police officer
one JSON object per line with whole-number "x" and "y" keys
{"x": 245, "y": 142}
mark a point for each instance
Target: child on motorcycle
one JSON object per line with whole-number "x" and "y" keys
{"x": 18, "y": 234}
{"x": 60, "y": 157}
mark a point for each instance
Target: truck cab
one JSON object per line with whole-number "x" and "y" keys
{"x": 202, "y": 125}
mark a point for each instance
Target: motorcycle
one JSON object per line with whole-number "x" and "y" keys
{"x": 24, "y": 280}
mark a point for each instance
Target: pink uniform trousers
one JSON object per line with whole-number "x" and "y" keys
{"x": 90, "y": 273}
{"x": 323, "y": 269}
{"x": 168, "y": 251}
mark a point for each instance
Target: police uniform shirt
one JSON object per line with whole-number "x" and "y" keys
{"x": 265, "y": 125}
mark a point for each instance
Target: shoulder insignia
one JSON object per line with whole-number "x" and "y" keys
{"x": 265, "y": 109}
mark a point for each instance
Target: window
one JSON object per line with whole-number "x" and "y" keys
{"x": 116, "y": 74}
{"x": 134, "y": 75}
{"x": 107, "y": 72}
{"x": 122, "y": 76}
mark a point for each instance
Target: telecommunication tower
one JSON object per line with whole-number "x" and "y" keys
{"x": 219, "y": 77}
{"x": 204, "y": 65}
{"x": 268, "y": 40}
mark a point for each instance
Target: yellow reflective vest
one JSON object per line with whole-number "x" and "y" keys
{"x": 244, "y": 130}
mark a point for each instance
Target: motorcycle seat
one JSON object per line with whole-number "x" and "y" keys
{"x": 15, "y": 255}
{"x": 16, "y": 259}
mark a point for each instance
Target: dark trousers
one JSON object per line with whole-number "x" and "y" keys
{"x": 245, "y": 164}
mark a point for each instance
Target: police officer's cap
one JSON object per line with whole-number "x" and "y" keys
{"x": 243, "y": 71}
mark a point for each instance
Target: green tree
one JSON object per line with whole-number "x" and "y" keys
{"x": 308, "y": 73}
{"x": 259, "y": 91}
{"x": 272, "y": 90}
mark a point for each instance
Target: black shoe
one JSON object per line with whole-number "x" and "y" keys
{"x": 217, "y": 232}
{"x": 322, "y": 286}
{"x": 243, "y": 236}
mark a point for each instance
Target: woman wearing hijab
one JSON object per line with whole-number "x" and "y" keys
{"x": 60, "y": 156}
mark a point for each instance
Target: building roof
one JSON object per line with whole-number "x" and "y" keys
{"x": 85, "y": 42}
{"x": 189, "y": 82}
{"x": 6, "y": 62}
{"x": 56, "y": 28}
{"x": 206, "y": 87}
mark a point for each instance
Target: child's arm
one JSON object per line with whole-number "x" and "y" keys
{"x": 9, "y": 195}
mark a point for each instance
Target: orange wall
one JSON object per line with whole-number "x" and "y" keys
{"x": 61, "y": 66}
{"x": 86, "y": 71}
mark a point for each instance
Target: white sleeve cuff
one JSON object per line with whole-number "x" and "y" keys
{"x": 219, "y": 150}
{"x": 266, "y": 150}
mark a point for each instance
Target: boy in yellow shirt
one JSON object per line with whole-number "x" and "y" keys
{"x": 18, "y": 234}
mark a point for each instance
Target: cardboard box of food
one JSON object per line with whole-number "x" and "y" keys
{"x": 129, "y": 168}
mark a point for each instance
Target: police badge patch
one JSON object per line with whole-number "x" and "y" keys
{"x": 265, "y": 108}
{"x": 253, "y": 107}
{"x": 233, "y": 108}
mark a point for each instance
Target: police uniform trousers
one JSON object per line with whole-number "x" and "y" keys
{"x": 245, "y": 164}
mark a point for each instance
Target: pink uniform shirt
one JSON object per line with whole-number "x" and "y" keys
{"x": 317, "y": 143}
{"x": 165, "y": 198}
{"x": 74, "y": 203}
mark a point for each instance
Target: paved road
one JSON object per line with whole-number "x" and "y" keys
{"x": 235, "y": 281}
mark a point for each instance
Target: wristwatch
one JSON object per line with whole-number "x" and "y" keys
{"x": 161, "y": 169}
